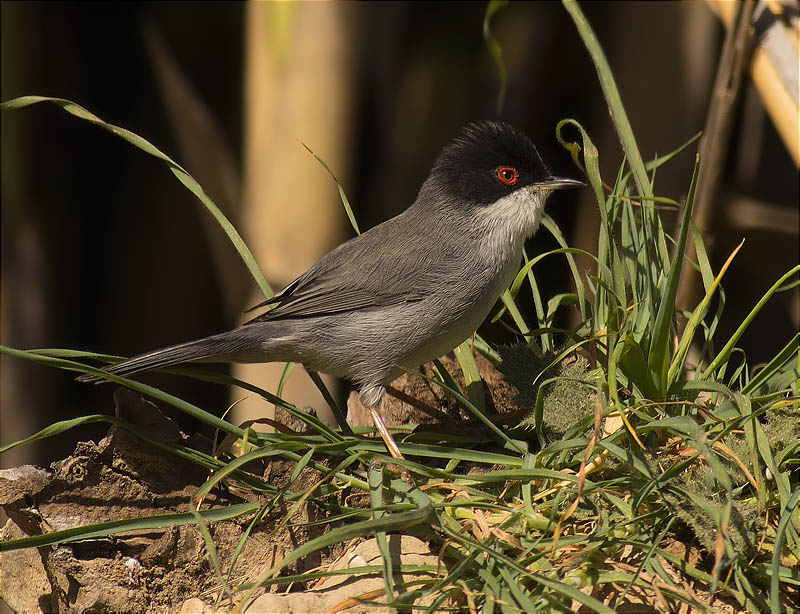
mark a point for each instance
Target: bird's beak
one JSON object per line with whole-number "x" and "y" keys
{"x": 561, "y": 183}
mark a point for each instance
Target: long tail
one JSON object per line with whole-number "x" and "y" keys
{"x": 223, "y": 347}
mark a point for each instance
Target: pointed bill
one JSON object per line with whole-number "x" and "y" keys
{"x": 562, "y": 183}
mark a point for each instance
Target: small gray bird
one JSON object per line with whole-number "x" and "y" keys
{"x": 406, "y": 291}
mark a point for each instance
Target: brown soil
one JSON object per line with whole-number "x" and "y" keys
{"x": 124, "y": 477}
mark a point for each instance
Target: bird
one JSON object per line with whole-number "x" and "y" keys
{"x": 406, "y": 291}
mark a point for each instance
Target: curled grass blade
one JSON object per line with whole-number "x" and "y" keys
{"x": 591, "y": 156}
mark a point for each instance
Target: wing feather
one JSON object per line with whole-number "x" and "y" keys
{"x": 352, "y": 277}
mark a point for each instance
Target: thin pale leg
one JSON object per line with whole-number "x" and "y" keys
{"x": 385, "y": 434}
{"x": 372, "y": 398}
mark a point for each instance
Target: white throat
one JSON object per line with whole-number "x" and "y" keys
{"x": 512, "y": 219}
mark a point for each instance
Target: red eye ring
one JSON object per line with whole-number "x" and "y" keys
{"x": 507, "y": 174}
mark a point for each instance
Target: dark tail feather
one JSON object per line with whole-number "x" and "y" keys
{"x": 220, "y": 346}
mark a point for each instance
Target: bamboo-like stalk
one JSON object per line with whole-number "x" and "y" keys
{"x": 298, "y": 87}
{"x": 736, "y": 52}
{"x": 774, "y": 69}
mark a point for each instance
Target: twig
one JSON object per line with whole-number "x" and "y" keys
{"x": 736, "y": 53}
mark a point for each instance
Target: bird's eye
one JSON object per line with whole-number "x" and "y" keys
{"x": 507, "y": 174}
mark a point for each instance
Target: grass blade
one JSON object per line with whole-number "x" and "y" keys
{"x": 342, "y": 195}
{"x": 375, "y": 479}
{"x": 554, "y": 230}
{"x": 725, "y": 352}
{"x": 183, "y": 176}
{"x": 495, "y": 50}
{"x": 472, "y": 377}
{"x": 658, "y": 355}
{"x": 697, "y": 315}
{"x": 780, "y": 536}
{"x": 390, "y": 522}
{"x": 621, "y": 122}
{"x": 104, "y": 529}
{"x": 332, "y": 404}
{"x": 774, "y": 365}
{"x": 154, "y": 393}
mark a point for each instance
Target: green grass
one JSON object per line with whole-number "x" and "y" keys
{"x": 587, "y": 506}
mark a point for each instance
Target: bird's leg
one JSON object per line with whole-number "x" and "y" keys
{"x": 385, "y": 434}
{"x": 372, "y": 398}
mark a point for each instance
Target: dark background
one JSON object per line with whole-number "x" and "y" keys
{"x": 104, "y": 250}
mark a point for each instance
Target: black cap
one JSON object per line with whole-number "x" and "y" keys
{"x": 489, "y": 160}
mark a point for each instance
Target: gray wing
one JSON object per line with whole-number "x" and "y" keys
{"x": 385, "y": 266}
